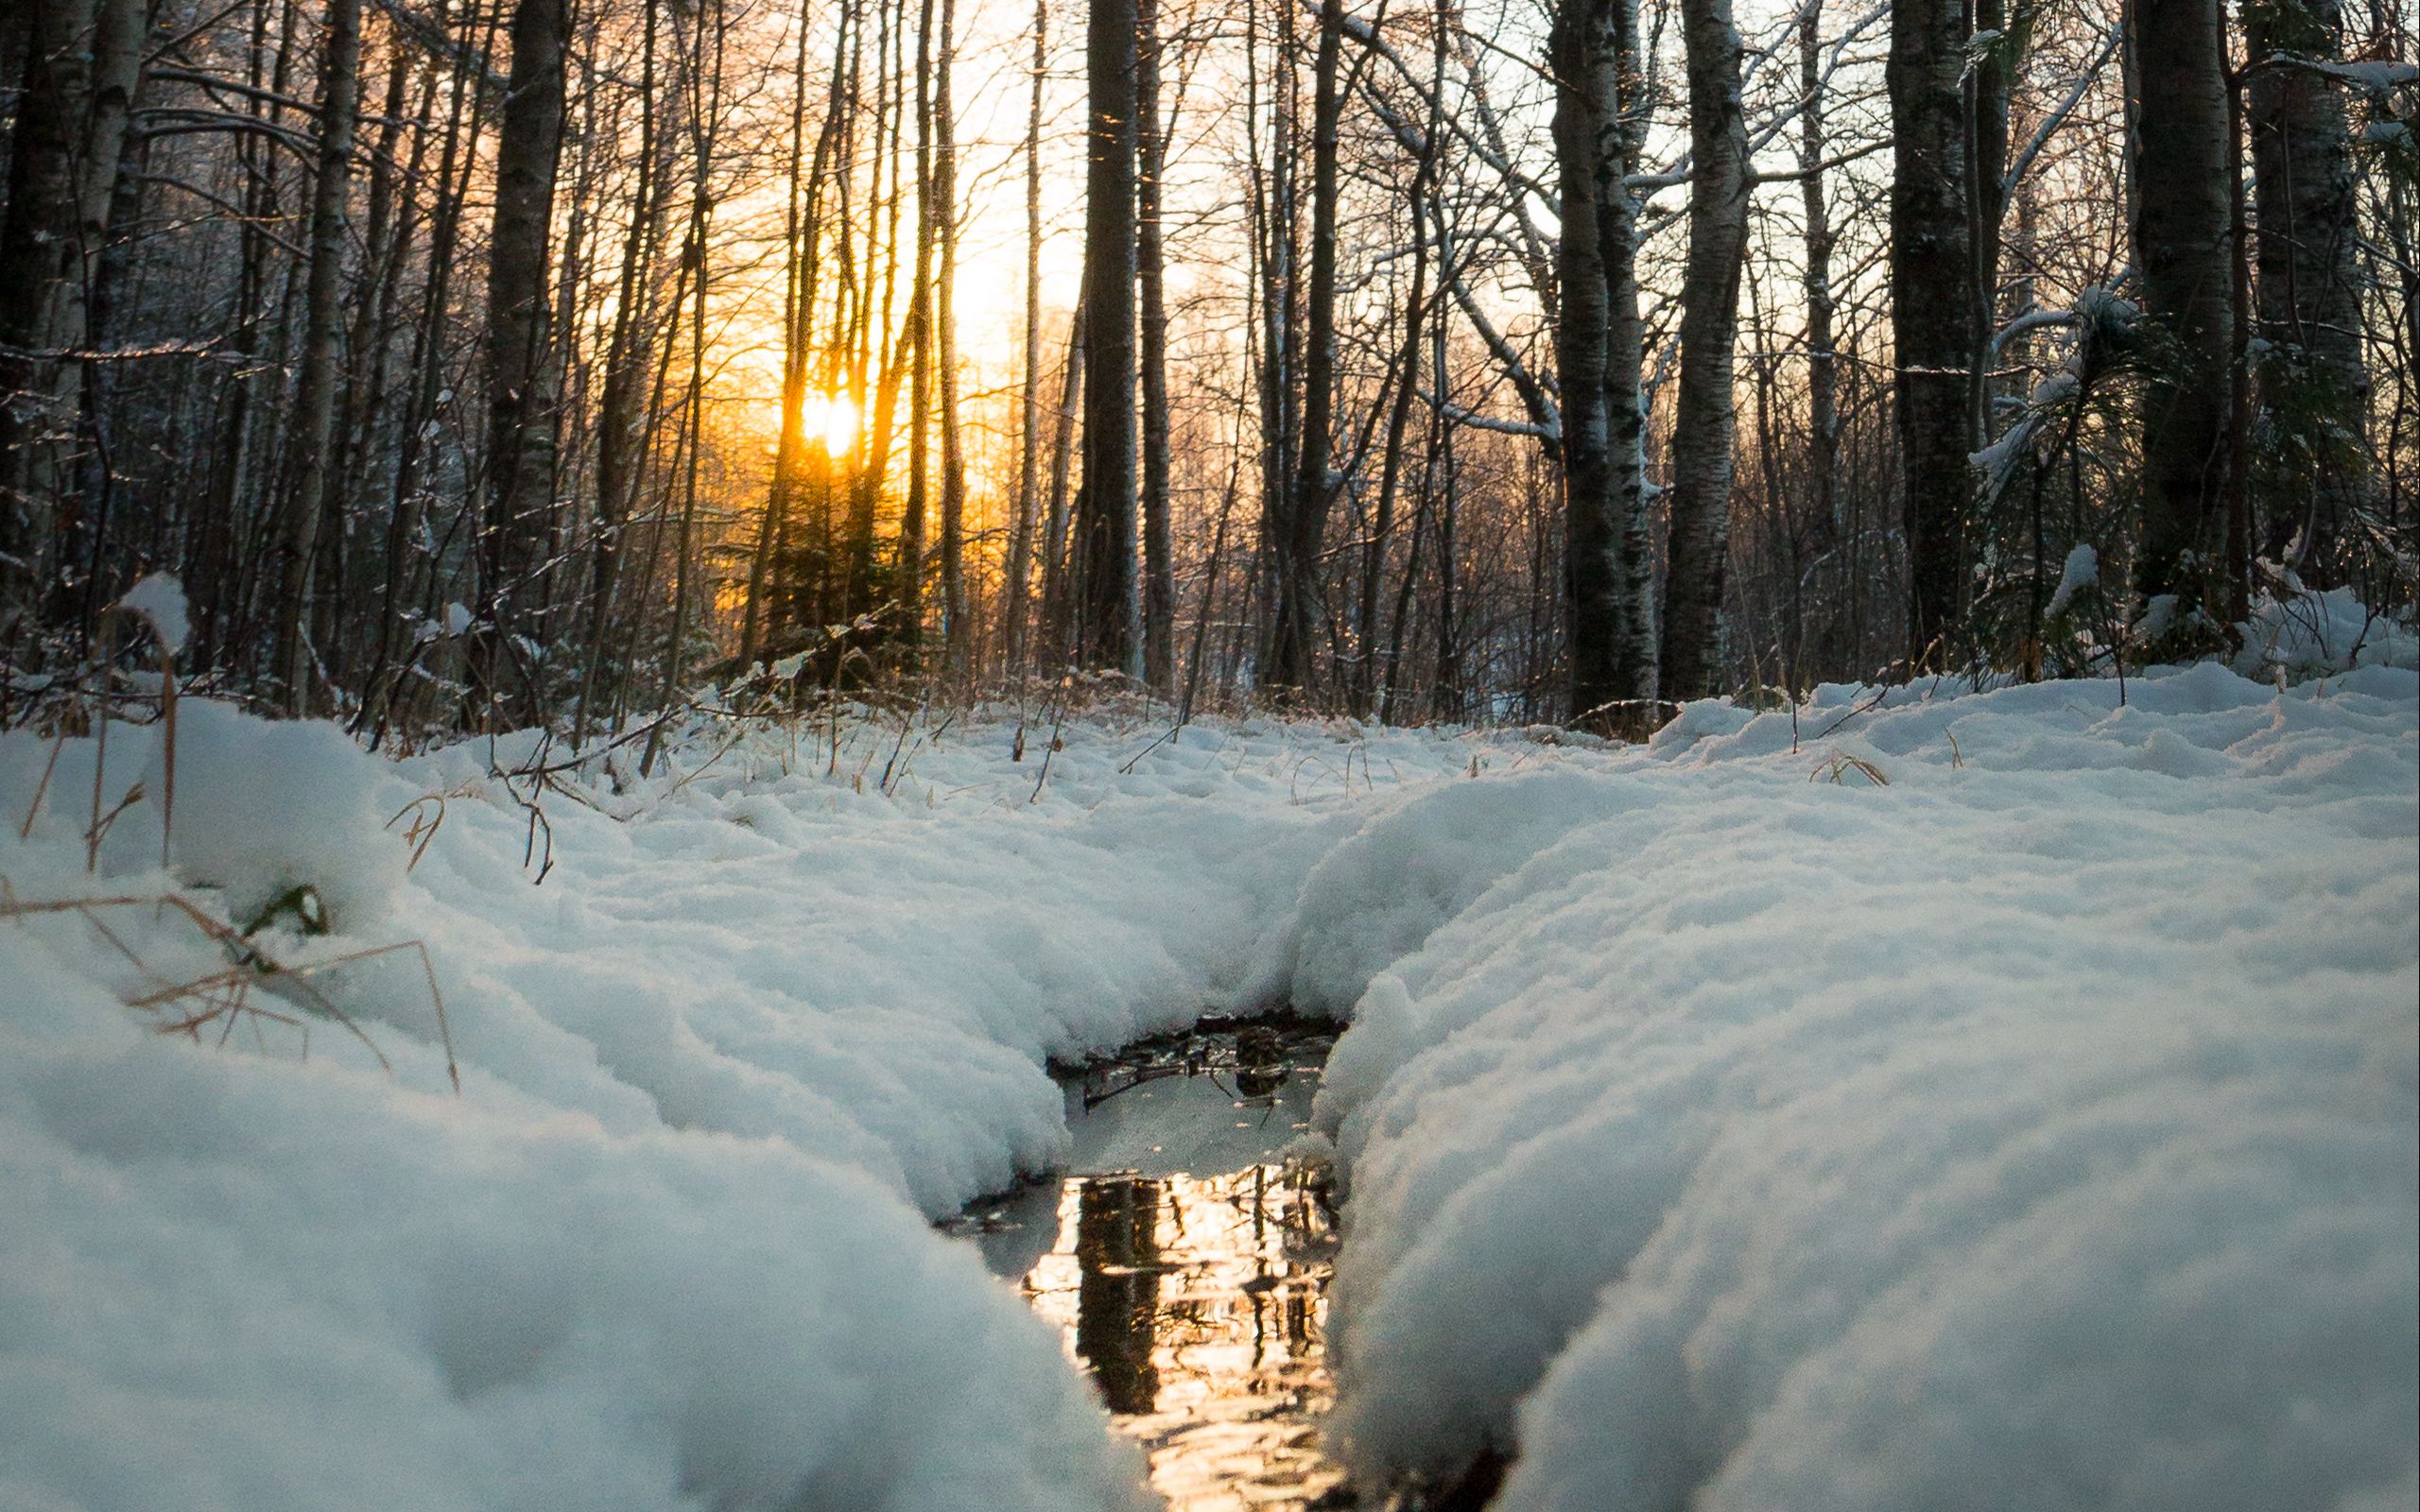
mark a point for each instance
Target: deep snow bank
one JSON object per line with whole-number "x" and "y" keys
{"x": 2038, "y": 1129}
{"x": 668, "y": 1248}
{"x": 2035, "y": 1130}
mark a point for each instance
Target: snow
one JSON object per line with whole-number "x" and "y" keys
{"x": 1887, "y": 1102}
{"x": 2036, "y": 1127}
{"x": 160, "y": 599}
{"x": 2081, "y": 571}
{"x": 669, "y": 1246}
{"x": 2307, "y": 634}
{"x": 2373, "y": 77}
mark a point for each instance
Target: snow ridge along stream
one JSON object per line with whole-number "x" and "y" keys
{"x": 2037, "y": 1129}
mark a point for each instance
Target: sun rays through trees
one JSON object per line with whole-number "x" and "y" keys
{"x": 482, "y": 363}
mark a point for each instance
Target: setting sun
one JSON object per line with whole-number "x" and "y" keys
{"x": 831, "y": 418}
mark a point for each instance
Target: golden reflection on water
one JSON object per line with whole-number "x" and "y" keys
{"x": 1198, "y": 1303}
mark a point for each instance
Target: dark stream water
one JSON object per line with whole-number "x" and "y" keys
{"x": 1185, "y": 1262}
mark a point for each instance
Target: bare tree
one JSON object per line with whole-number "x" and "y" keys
{"x": 1701, "y": 427}
{"x": 2182, "y": 216}
{"x": 1159, "y": 570}
{"x": 1106, "y": 632}
{"x": 1598, "y": 343}
{"x": 1019, "y": 582}
{"x": 314, "y": 388}
{"x": 521, "y": 420}
{"x": 82, "y": 60}
{"x": 2314, "y": 379}
{"x": 1931, "y": 309}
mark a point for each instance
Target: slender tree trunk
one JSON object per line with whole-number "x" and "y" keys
{"x": 1987, "y": 88}
{"x": 2314, "y": 382}
{"x": 619, "y": 422}
{"x": 1703, "y": 426}
{"x": 1365, "y": 619}
{"x": 82, "y": 62}
{"x": 958, "y": 624}
{"x": 1273, "y": 217}
{"x": 789, "y": 447}
{"x": 1159, "y": 568}
{"x": 1446, "y": 483}
{"x": 315, "y": 393}
{"x": 1598, "y": 345}
{"x": 913, "y": 521}
{"x": 2183, "y": 168}
{"x": 96, "y": 488}
{"x": 1300, "y": 581}
{"x": 1058, "y": 567}
{"x": 1931, "y": 311}
{"x": 1106, "y": 611}
{"x": 1015, "y": 610}
{"x": 707, "y": 80}
{"x": 1823, "y": 373}
{"x": 457, "y": 166}
{"x": 520, "y": 409}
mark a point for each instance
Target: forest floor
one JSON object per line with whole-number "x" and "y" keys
{"x": 1916, "y": 1098}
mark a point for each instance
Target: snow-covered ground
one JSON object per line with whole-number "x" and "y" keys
{"x": 2005, "y": 1099}
{"x": 2035, "y": 1130}
{"x": 767, "y": 1014}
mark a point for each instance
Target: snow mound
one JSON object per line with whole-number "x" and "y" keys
{"x": 2031, "y": 1123}
{"x": 260, "y": 809}
{"x": 233, "y": 1283}
{"x": 2312, "y": 635}
{"x": 771, "y": 1007}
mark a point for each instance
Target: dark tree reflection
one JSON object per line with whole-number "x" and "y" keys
{"x": 1117, "y": 1297}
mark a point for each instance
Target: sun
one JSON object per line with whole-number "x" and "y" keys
{"x": 830, "y": 419}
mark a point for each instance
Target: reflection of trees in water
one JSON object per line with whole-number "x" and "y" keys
{"x": 1197, "y": 1309}
{"x": 1117, "y": 1295}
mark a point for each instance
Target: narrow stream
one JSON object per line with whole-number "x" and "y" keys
{"x": 1185, "y": 1262}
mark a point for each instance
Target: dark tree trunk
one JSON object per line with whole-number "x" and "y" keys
{"x": 1823, "y": 371}
{"x": 1106, "y": 632}
{"x": 620, "y": 441}
{"x": 1300, "y": 583}
{"x": 913, "y": 523}
{"x": 1159, "y": 568}
{"x": 520, "y": 409}
{"x": 958, "y": 627}
{"x": 1608, "y": 586}
{"x": 1931, "y": 309}
{"x": 2182, "y": 170}
{"x": 2314, "y": 383}
{"x": 315, "y": 389}
{"x": 1057, "y": 566}
{"x": 82, "y": 62}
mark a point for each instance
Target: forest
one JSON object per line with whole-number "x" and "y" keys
{"x": 477, "y": 364}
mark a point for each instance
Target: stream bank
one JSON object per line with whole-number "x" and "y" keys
{"x": 1184, "y": 1255}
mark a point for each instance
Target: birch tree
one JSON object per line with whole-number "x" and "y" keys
{"x": 1701, "y": 430}
{"x": 1931, "y": 309}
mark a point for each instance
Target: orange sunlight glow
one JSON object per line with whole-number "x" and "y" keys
{"x": 830, "y": 419}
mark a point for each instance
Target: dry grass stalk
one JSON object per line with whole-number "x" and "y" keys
{"x": 1841, "y": 763}
{"x": 423, "y": 826}
{"x": 226, "y": 997}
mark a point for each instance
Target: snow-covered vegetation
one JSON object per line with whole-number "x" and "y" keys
{"x": 1910, "y": 1099}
